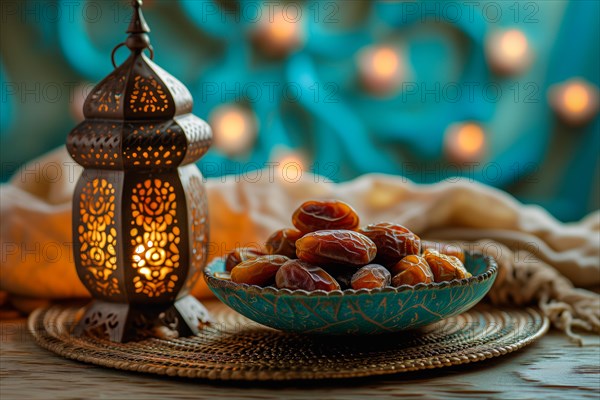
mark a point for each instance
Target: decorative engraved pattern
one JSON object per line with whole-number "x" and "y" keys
{"x": 95, "y": 144}
{"x": 193, "y": 313}
{"x": 106, "y": 97}
{"x": 100, "y": 324}
{"x": 198, "y": 210}
{"x": 181, "y": 95}
{"x": 155, "y": 237}
{"x": 154, "y": 145}
{"x": 147, "y": 96}
{"x": 198, "y": 134}
{"x": 98, "y": 237}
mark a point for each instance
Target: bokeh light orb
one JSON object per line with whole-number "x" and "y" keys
{"x": 234, "y": 129}
{"x": 508, "y": 52}
{"x": 575, "y": 101}
{"x": 290, "y": 165}
{"x": 465, "y": 142}
{"x": 381, "y": 69}
{"x": 278, "y": 32}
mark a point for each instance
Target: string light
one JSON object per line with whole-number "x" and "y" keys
{"x": 278, "y": 33}
{"x": 234, "y": 129}
{"x": 574, "y": 101}
{"x": 381, "y": 69}
{"x": 508, "y": 52}
{"x": 465, "y": 142}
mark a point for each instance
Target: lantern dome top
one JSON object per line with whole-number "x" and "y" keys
{"x": 138, "y": 89}
{"x": 139, "y": 116}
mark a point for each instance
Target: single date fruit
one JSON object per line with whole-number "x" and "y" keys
{"x": 239, "y": 255}
{"x": 445, "y": 268}
{"x": 336, "y": 247}
{"x": 259, "y": 271}
{"x": 328, "y": 214}
{"x": 283, "y": 242}
{"x": 297, "y": 274}
{"x": 370, "y": 277}
{"x": 393, "y": 241}
{"x": 444, "y": 248}
{"x": 408, "y": 262}
{"x": 410, "y": 271}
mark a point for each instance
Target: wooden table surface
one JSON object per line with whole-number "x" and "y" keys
{"x": 551, "y": 368}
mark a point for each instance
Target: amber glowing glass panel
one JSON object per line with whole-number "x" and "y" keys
{"x": 97, "y": 236}
{"x": 155, "y": 237}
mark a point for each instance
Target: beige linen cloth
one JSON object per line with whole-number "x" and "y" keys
{"x": 542, "y": 261}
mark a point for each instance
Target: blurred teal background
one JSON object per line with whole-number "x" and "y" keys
{"x": 315, "y": 86}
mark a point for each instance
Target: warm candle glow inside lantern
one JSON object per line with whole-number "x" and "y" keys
{"x": 140, "y": 226}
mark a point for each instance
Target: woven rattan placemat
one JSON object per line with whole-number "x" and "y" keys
{"x": 236, "y": 348}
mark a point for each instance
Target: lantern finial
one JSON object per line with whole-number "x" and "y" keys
{"x": 138, "y": 23}
{"x": 138, "y": 29}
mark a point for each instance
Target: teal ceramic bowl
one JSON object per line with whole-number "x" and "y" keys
{"x": 364, "y": 311}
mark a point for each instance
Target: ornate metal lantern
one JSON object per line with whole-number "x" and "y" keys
{"x": 140, "y": 227}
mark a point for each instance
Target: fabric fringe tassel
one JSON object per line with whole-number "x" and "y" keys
{"x": 524, "y": 279}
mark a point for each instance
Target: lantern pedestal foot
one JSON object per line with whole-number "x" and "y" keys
{"x": 122, "y": 322}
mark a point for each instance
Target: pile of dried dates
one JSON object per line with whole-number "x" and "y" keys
{"x": 328, "y": 250}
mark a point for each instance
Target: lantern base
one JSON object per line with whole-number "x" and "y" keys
{"x": 123, "y": 322}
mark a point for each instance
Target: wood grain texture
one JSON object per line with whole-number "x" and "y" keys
{"x": 550, "y": 368}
